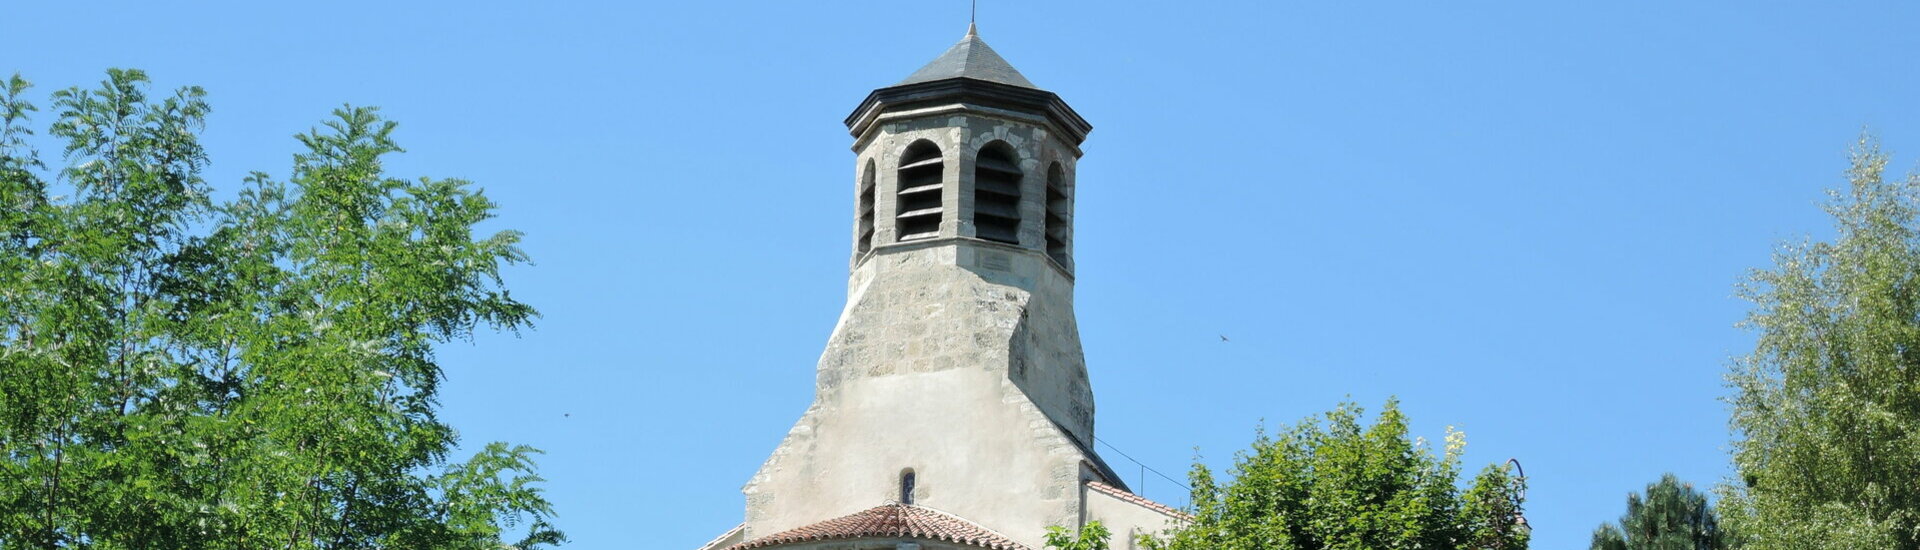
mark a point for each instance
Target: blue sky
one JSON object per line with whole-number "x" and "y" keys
{"x": 1523, "y": 219}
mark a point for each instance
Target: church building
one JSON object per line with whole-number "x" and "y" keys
{"x": 952, "y": 408}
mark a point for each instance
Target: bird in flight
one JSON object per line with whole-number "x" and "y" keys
{"x": 1223, "y": 338}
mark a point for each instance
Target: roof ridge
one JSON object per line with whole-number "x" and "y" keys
{"x": 723, "y": 536}
{"x": 1143, "y": 502}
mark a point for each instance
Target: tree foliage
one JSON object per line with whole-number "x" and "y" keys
{"x": 1331, "y": 483}
{"x": 1826, "y": 410}
{"x": 1092, "y": 536}
{"x": 257, "y": 373}
{"x": 1671, "y": 515}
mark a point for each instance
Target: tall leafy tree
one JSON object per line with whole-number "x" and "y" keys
{"x": 176, "y": 373}
{"x": 1331, "y": 483}
{"x": 1826, "y": 410}
{"x": 86, "y": 354}
{"x": 1670, "y": 515}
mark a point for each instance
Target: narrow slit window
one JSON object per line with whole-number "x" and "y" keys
{"x": 919, "y": 210}
{"x": 1057, "y": 205}
{"x": 906, "y": 486}
{"x": 996, "y": 194}
{"x": 863, "y": 238}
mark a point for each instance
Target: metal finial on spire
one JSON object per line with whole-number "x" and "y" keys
{"x": 972, "y": 13}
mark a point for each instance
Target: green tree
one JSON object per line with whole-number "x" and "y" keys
{"x": 259, "y": 373}
{"x": 1671, "y": 515}
{"x": 1826, "y": 410}
{"x": 1330, "y": 483}
{"x": 1092, "y": 536}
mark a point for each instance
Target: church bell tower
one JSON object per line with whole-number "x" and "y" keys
{"x": 952, "y": 407}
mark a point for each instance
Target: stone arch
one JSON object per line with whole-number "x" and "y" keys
{"x": 996, "y": 192}
{"x": 922, "y": 173}
{"x": 864, "y": 209}
{"x": 1059, "y": 205}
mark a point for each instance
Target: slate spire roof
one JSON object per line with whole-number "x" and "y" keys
{"x": 970, "y": 58}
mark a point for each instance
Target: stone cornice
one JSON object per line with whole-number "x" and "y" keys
{"x": 893, "y": 248}
{"x": 974, "y": 92}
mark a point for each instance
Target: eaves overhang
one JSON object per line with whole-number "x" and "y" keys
{"x": 968, "y": 90}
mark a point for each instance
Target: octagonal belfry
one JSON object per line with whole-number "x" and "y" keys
{"x": 952, "y": 407}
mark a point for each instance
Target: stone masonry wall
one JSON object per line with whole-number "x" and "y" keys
{"x": 921, "y": 373}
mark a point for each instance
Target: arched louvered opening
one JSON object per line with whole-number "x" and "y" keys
{"x": 864, "y": 230}
{"x": 919, "y": 210}
{"x": 996, "y": 194}
{"x": 1057, "y": 226}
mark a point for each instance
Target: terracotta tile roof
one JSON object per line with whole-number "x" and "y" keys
{"x": 891, "y": 521}
{"x": 1121, "y": 494}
